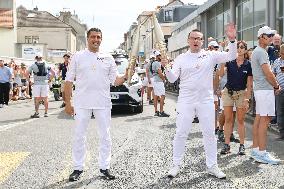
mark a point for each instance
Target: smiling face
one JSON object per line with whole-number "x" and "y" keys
{"x": 94, "y": 41}
{"x": 195, "y": 41}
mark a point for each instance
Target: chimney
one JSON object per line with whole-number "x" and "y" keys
{"x": 65, "y": 16}
{"x": 36, "y": 9}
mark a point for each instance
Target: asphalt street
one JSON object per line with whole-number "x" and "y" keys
{"x": 36, "y": 153}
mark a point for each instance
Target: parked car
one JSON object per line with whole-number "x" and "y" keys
{"x": 128, "y": 95}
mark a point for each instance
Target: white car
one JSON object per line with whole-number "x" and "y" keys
{"x": 127, "y": 95}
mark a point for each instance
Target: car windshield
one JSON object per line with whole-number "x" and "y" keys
{"x": 122, "y": 64}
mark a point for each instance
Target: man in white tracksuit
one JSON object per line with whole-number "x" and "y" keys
{"x": 195, "y": 69}
{"x": 93, "y": 72}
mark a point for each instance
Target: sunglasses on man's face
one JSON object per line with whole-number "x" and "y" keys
{"x": 268, "y": 35}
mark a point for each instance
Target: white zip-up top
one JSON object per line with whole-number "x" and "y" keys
{"x": 93, "y": 74}
{"x": 195, "y": 71}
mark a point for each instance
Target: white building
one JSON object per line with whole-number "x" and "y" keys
{"x": 8, "y": 27}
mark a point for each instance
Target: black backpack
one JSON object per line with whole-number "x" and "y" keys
{"x": 41, "y": 69}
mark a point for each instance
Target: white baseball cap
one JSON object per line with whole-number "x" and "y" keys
{"x": 38, "y": 55}
{"x": 152, "y": 56}
{"x": 156, "y": 53}
{"x": 213, "y": 43}
{"x": 265, "y": 30}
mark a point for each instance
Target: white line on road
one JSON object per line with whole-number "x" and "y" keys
{"x": 12, "y": 125}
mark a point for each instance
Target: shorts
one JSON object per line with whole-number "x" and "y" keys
{"x": 159, "y": 88}
{"x": 62, "y": 85}
{"x": 40, "y": 90}
{"x": 222, "y": 107}
{"x": 237, "y": 99}
{"x": 24, "y": 82}
{"x": 264, "y": 102}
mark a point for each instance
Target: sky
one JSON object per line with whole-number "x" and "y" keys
{"x": 113, "y": 17}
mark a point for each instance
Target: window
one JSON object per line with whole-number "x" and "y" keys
{"x": 259, "y": 12}
{"x": 247, "y": 13}
{"x": 6, "y": 4}
{"x": 239, "y": 17}
{"x": 219, "y": 26}
{"x": 211, "y": 28}
{"x": 279, "y": 7}
{"x": 248, "y": 37}
{"x": 168, "y": 16}
{"x": 28, "y": 39}
{"x": 31, "y": 39}
{"x": 35, "y": 39}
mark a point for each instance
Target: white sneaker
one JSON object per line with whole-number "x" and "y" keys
{"x": 173, "y": 171}
{"x": 215, "y": 171}
{"x": 267, "y": 158}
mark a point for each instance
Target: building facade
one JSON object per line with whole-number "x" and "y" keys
{"x": 8, "y": 27}
{"x": 40, "y": 31}
{"x": 81, "y": 29}
{"x": 212, "y": 17}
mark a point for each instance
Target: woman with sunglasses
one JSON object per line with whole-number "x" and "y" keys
{"x": 237, "y": 92}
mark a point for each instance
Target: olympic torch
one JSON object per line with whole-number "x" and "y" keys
{"x": 159, "y": 37}
{"x": 133, "y": 54}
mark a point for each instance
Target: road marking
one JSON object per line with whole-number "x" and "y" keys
{"x": 12, "y": 125}
{"x": 9, "y": 161}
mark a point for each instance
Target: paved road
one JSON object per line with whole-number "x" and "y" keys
{"x": 36, "y": 153}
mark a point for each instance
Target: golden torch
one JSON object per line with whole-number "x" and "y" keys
{"x": 159, "y": 37}
{"x": 133, "y": 54}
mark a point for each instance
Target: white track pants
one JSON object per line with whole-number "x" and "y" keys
{"x": 103, "y": 121}
{"x": 185, "y": 115}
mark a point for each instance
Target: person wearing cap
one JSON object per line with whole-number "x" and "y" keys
{"x": 40, "y": 69}
{"x": 195, "y": 70}
{"x": 94, "y": 72}
{"x": 149, "y": 78}
{"x": 158, "y": 85}
{"x": 265, "y": 85}
{"x": 62, "y": 70}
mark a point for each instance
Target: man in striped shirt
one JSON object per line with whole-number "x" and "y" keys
{"x": 278, "y": 70}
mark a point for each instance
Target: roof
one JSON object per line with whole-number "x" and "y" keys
{"x": 171, "y": 2}
{"x": 146, "y": 13}
{"x": 33, "y": 18}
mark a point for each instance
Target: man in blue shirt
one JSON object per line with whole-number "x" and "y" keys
{"x": 5, "y": 77}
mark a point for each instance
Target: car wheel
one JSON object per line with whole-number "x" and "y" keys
{"x": 139, "y": 109}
